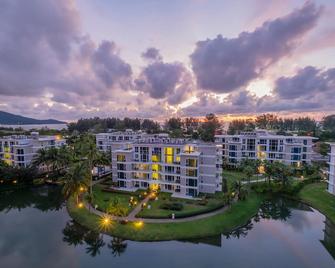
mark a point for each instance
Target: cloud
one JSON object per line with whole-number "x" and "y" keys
{"x": 171, "y": 81}
{"x": 36, "y": 39}
{"x": 307, "y": 82}
{"x": 109, "y": 67}
{"x": 152, "y": 54}
{"x": 237, "y": 102}
{"x": 223, "y": 65}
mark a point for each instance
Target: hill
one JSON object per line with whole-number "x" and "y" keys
{"x": 13, "y": 119}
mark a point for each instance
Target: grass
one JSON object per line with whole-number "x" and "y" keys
{"x": 103, "y": 199}
{"x": 236, "y": 216}
{"x": 234, "y": 175}
{"x": 190, "y": 207}
{"x": 315, "y": 195}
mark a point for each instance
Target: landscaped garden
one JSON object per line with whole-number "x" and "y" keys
{"x": 237, "y": 215}
{"x": 119, "y": 202}
{"x": 164, "y": 206}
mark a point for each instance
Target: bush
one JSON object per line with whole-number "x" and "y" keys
{"x": 203, "y": 202}
{"x": 172, "y": 206}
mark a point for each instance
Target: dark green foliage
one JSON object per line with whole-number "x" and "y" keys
{"x": 97, "y": 124}
{"x": 208, "y": 128}
{"x": 172, "y": 206}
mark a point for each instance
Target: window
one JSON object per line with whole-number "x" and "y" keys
{"x": 232, "y": 147}
{"x": 169, "y": 169}
{"x": 121, "y": 158}
{"x": 121, "y": 175}
{"x": 168, "y": 151}
{"x": 191, "y": 172}
{"x": 296, "y": 150}
{"x": 20, "y": 151}
{"x": 191, "y": 162}
{"x": 295, "y": 157}
{"x": 121, "y": 166}
{"x": 251, "y": 145}
{"x": 191, "y": 182}
{"x": 169, "y": 178}
{"x": 144, "y": 154}
{"x": 273, "y": 145}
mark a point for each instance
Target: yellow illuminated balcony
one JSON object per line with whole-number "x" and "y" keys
{"x": 155, "y": 176}
{"x": 155, "y": 158}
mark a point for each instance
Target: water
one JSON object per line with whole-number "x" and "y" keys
{"x": 36, "y": 231}
{"x": 39, "y": 126}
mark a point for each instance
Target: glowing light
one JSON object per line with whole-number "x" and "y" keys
{"x": 138, "y": 224}
{"x": 81, "y": 189}
{"x": 105, "y": 222}
{"x": 15, "y": 181}
{"x": 80, "y": 205}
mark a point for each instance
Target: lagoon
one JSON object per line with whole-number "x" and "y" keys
{"x": 36, "y": 231}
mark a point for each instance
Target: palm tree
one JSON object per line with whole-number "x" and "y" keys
{"x": 269, "y": 170}
{"x": 90, "y": 155}
{"x": 248, "y": 171}
{"x": 42, "y": 158}
{"x": 75, "y": 178}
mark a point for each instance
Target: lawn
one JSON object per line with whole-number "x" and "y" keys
{"x": 103, "y": 199}
{"x": 234, "y": 175}
{"x": 190, "y": 207}
{"x": 315, "y": 195}
{"x": 238, "y": 215}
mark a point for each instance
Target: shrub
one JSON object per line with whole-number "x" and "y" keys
{"x": 172, "y": 206}
{"x": 203, "y": 202}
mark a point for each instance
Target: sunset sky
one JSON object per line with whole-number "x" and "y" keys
{"x": 154, "y": 59}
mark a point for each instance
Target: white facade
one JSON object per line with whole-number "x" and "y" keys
{"x": 331, "y": 171}
{"x": 291, "y": 150}
{"x": 179, "y": 166}
{"x": 19, "y": 150}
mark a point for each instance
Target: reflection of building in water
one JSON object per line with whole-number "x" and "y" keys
{"x": 214, "y": 240}
{"x": 331, "y": 170}
{"x": 329, "y": 237}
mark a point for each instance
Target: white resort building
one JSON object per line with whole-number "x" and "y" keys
{"x": 261, "y": 144}
{"x": 180, "y": 166}
{"x": 19, "y": 150}
{"x": 331, "y": 170}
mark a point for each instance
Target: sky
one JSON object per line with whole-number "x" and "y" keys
{"x": 71, "y": 59}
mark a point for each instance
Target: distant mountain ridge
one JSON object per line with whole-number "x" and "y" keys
{"x": 13, "y": 119}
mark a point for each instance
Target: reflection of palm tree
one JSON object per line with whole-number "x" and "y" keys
{"x": 95, "y": 242}
{"x": 74, "y": 234}
{"x": 275, "y": 209}
{"x": 118, "y": 246}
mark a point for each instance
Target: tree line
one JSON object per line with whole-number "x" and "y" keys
{"x": 97, "y": 124}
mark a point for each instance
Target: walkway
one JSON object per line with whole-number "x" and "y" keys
{"x": 137, "y": 209}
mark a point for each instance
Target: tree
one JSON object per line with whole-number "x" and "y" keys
{"x": 75, "y": 178}
{"x": 116, "y": 208}
{"x": 248, "y": 171}
{"x": 269, "y": 170}
{"x": 282, "y": 172}
{"x": 208, "y": 128}
{"x": 328, "y": 122}
{"x": 90, "y": 155}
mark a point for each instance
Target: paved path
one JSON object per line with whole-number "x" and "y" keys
{"x": 137, "y": 209}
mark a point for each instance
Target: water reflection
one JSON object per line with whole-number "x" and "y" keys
{"x": 36, "y": 231}
{"x": 45, "y": 198}
{"x": 74, "y": 234}
{"x": 329, "y": 237}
